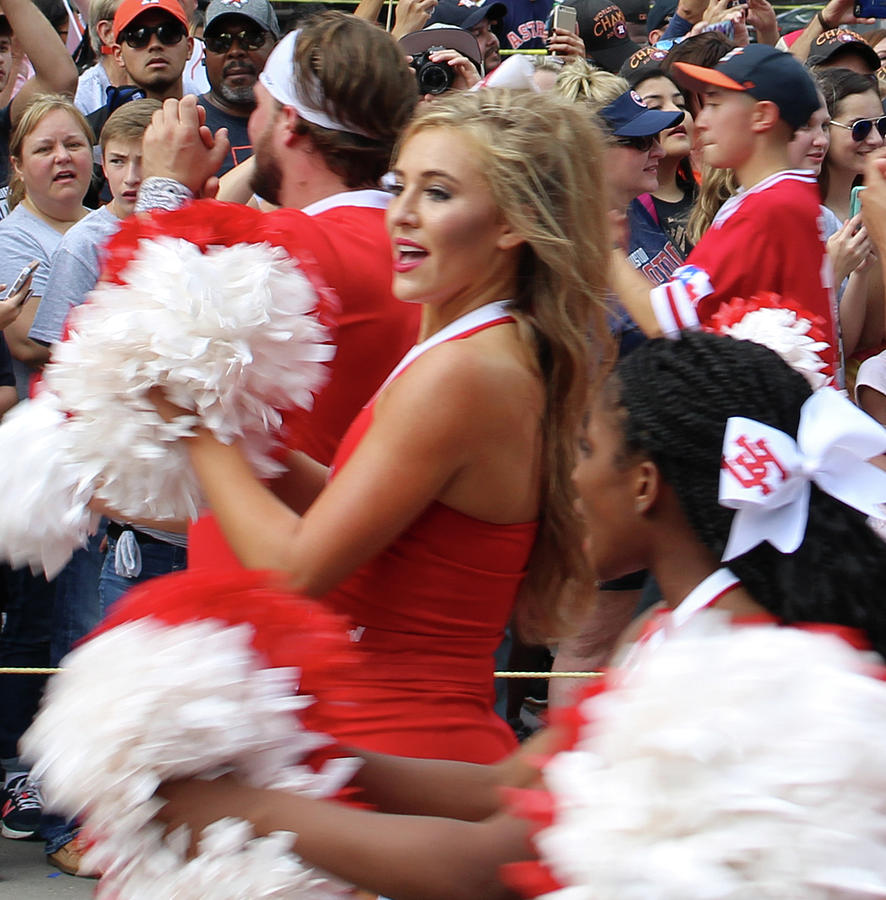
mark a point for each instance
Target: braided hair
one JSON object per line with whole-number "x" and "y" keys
{"x": 673, "y": 399}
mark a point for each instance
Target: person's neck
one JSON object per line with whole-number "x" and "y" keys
{"x": 677, "y": 573}
{"x": 435, "y": 317}
{"x": 840, "y": 183}
{"x": 172, "y": 92}
{"x": 238, "y": 110}
{"x": 762, "y": 164}
{"x": 61, "y": 218}
{"x": 116, "y": 74}
{"x": 299, "y": 190}
{"x": 668, "y": 190}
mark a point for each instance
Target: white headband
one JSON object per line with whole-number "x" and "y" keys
{"x": 766, "y": 474}
{"x": 280, "y": 80}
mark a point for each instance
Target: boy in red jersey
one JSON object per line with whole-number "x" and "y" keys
{"x": 768, "y": 237}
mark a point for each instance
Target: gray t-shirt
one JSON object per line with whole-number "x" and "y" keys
{"x": 74, "y": 271}
{"x": 23, "y": 237}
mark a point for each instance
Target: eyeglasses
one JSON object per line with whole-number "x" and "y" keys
{"x": 250, "y": 39}
{"x": 643, "y": 144}
{"x": 862, "y": 128}
{"x": 168, "y": 33}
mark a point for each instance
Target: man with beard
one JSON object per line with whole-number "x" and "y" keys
{"x": 330, "y": 104}
{"x": 238, "y": 36}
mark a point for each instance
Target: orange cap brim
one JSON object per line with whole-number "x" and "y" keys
{"x": 698, "y": 77}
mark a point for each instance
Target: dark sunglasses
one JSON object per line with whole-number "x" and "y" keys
{"x": 168, "y": 33}
{"x": 248, "y": 40}
{"x": 862, "y": 128}
{"x": 643, "y": 144}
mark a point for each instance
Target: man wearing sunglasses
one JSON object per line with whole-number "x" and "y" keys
{"x": 238, "y": 38}
{"x": 153, "y": 45}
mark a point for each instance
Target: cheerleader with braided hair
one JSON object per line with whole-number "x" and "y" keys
{"x": 669, "y": 407}
{"x": 718, "y": 760}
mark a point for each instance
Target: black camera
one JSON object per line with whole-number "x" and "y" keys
{"x": 432, "y": 77}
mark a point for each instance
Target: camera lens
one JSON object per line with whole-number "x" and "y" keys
{"x": 434, "y": 79}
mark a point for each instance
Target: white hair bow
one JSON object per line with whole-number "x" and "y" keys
{"x": 765, "y": 474}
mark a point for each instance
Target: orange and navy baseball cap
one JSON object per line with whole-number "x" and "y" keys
{"x": 762, "y": 72}
{"x": 129, "y": 10}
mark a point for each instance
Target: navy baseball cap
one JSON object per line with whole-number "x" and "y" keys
{"x": 465, "y": 14}
{"x": 835, "y": 43}
{"x": 762, "y": 72}
{"x": 629, "y": 116}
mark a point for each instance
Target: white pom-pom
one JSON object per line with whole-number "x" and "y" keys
{"x": 45, "y": 517}
{"x": 726, "y": 764}
{"x": 782, "y": 330}
{"x": 229, "y": 334}
{"x": 146, "y": 702}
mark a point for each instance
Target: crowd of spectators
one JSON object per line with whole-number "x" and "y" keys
{"x": 729, "y": 148}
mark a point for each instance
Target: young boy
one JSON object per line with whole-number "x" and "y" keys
{"x": 769, "y": 236}
{"x": 76, "y": 264}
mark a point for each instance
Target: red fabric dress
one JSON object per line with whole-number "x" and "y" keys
{"x": 428, "y": 614}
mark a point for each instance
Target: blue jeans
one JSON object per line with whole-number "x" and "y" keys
{"x": 24, "y": 642}
{"x": 157, "y": 559}
{"x": 77, "y": 611}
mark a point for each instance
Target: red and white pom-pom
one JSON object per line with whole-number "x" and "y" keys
{"x": 783, "y": 326}
{"x": 229, "y": 329}
{"x": 724, "y": 763}
{"x": 193, "y": 675}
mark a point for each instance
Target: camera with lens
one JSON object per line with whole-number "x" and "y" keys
{"x": 432, "y": 77}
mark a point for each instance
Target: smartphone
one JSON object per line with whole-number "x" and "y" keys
{"x": 565, "y": 17}
{"x": 870, "y": 9}
{"x": 20, "y": 280}
{"x": 855, "y": 201}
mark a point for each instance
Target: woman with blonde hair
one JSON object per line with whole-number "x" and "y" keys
{"x": 51, "y": 154}
{"x": 450, "y": 498}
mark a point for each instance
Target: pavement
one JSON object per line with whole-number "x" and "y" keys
{"x": 25, "y": 875}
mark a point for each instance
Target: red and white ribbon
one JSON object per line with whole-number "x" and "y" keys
{"x": 766, "y": 474}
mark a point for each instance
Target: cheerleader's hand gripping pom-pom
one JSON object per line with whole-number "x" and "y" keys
{"x": 727, "y": 763}
{"x": 204, "y": 302}
{"x": 191, "y": 676}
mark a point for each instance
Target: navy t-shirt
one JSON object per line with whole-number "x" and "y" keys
{"x": 241, "y": 146}
{"x": 523, "y": 26}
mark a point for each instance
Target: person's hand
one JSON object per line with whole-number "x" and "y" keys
{"x": 761, "y": 16}
{"x": 565, "y": 43}
{"x": 12, "y": 306}
{"x": 167, "y": 410}
{"x": 842, "y": 12}
{"x": 411, "y": 15}
{"x": 873, "y": 200}
{"x": 465, "y": 74}
{"x": 692, "y": 10}
{"x": 179, "y": 145}
{"x": 195, "y": 803}
{"x": 849, "y": 248}
{"x": 720, "y": 10}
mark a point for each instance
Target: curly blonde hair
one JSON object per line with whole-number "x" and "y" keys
{"x": 542, "y": 158}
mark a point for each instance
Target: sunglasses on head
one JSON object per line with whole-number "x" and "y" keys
{"x": 168, "y": 33}
{"x": 643, "y": 143}
{"x": 250, "y": 39}
{"x": 862, "y": 128}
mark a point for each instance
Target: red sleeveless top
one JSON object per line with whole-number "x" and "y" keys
{"x": 428, "y": 612}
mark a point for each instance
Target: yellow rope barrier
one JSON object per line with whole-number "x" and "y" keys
{"x": 12, "y": 670}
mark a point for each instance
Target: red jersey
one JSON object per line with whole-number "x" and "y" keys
{"x": 769, "y": 238}
{"x": 348, "y": 243}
